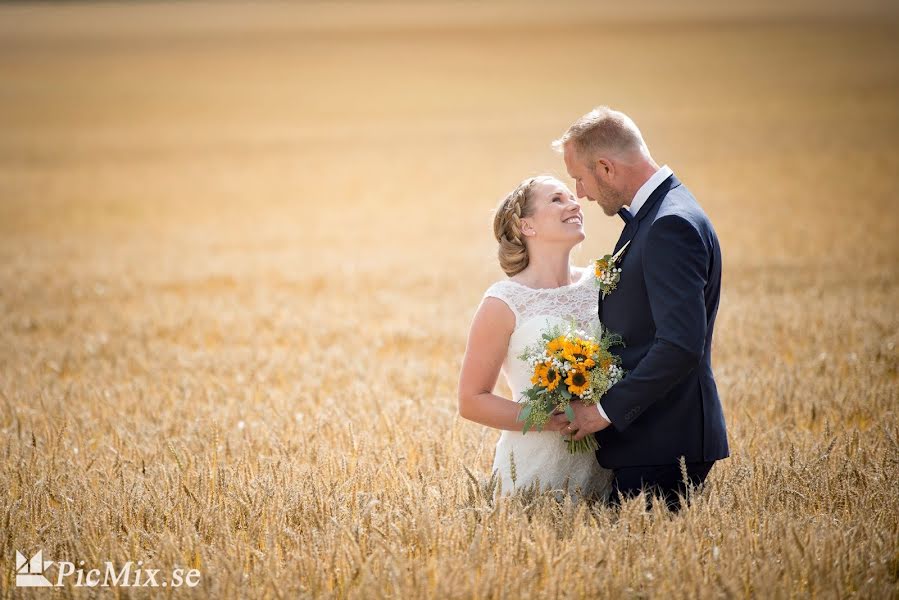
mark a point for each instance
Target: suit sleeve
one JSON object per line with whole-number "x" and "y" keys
{"x": 675, "y": 263}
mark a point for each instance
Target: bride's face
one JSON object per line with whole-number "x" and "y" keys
{"x": 556, "y": 216}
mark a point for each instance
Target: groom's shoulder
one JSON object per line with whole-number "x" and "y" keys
{"x": 679, "y": 202}
{"x": 679, "y": 214}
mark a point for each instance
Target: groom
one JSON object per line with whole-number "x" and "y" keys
{"x": 664, "y": 307}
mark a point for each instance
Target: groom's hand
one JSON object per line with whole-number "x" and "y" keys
{"x": 587, "y": 420}
{"x": 557, "y": 422}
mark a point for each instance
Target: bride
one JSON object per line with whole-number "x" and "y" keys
{"x": 536, "y": 225}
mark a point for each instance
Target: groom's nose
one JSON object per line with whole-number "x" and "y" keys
{"x": 579, "y": 189}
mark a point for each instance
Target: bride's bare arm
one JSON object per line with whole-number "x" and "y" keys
{"x": 488, "y": 342}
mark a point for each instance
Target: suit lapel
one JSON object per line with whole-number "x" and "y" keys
{"x": 627, "y": 234}
{"x": 630, "y": 230}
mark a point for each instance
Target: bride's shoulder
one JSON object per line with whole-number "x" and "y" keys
{"x": 501, "y": 289}
{"x": 507, "y": 291}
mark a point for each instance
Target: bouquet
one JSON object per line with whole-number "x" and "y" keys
{"x": 568, "y": 364}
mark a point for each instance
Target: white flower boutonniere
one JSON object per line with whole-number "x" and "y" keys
{"x": 607, "y": 272}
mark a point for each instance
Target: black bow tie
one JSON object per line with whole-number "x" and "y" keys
{"x": 625, "y": 215}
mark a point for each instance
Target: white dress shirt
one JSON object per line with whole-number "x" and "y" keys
{"x": 639, "y": 200}
{"x": 648, "y": 188}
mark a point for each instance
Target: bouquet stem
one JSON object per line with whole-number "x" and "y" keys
{"x": 587, "y": 444}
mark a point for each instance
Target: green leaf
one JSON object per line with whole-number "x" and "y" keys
{"x": 525, "y": 412}
{"x": 569, "y": 412}
{"x": 565, "y": 393}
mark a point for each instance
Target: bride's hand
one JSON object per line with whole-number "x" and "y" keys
{"x": 557, "y": 422}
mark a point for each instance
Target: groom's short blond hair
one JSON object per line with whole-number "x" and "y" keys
{"x": 603, "y": 131}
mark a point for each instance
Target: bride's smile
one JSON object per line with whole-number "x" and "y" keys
{"x": 556, "y": 218}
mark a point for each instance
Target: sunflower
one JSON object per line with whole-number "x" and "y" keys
{"x": 578, "y": 381}
{"x": 580, "y": 351}
{"x": 590, "y": 350}
{"x": 556, "y": 347}
{"x": 552, "y": 379}
{"x": 571, "y": 350}
{"x": 545, "y": 375}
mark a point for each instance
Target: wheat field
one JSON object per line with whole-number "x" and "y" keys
{"x": 240, "y": 250}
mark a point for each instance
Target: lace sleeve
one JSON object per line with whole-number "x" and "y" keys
{"x": 502, "y": 291}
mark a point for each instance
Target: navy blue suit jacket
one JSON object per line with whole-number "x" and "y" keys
{"x": 664, "y": 307}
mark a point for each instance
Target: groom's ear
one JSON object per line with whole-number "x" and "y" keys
{"x": 604, "y": 168}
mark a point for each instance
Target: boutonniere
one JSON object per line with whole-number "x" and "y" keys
{"x": 607, "y": 272}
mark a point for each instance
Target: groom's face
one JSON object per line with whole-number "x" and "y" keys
{"x": 589, "y": 185}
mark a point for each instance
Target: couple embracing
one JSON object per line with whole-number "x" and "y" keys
{"x": 667, "y": 276}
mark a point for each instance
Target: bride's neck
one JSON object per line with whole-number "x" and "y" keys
{"x": 547, "y": 269}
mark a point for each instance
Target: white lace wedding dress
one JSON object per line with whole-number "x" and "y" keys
{"x": 540, "y": 457}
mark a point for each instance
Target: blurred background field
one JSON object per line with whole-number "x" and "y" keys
{"x": 240, "y": 247}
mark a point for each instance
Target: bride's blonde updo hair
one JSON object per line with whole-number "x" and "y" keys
{"x": 513, "y": 254}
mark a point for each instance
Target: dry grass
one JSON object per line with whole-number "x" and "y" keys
{"x": 237, "y": 270}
